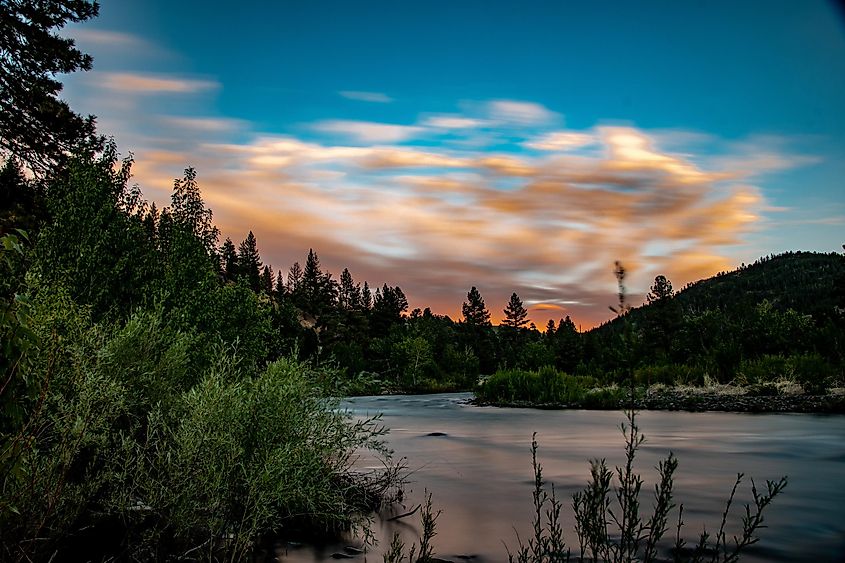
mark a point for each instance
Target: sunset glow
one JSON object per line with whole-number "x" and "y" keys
{"x": 439, "y": 173}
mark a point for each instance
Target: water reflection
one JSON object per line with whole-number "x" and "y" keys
{"x": 478, "y": 467}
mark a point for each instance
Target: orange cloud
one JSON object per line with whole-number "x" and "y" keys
{"x": 545, "y": 216}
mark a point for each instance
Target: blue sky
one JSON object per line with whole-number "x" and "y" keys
{"x": 513, "y": 146}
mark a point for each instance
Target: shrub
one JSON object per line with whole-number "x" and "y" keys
{"x": 545, "y": 386}
{"x": 610, "y": 526}
{"x": 188, "y": 463}
{"x": 813, "y": 372}
{"x": 764, "y": 369}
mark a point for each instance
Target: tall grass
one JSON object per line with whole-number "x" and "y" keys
{"x": 547, "y": 386}
{"x": 610, "y": 525}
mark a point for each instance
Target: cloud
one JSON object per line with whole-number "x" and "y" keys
{"x": 374, "y": 97}
{"x": 453, "y": 122}
{"x": 152, "y": 83}
{"x": 406, "y": 205}
{"x": 521, "y": 113}
{"x": 86, "y": 35}
{"x": 368, "y": 132}
{"x": 561, "y": 141}
{"x": 203, "y": 124}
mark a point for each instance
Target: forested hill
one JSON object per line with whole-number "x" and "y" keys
{"x": 810, "y": 283}
{"x": 780, "y": 307}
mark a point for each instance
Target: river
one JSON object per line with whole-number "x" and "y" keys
{"x": 476, "y": 462}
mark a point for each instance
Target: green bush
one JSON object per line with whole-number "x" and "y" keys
{"x": 813, "y": 372}
{"x": 764, "y": 369}
{"x": 545, "y": 386}
{"x": 191, "y": 462}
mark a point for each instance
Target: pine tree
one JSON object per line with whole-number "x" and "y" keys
{"x": 366, "y": 297}
{"x": 388, "y": 306}
{"x": 249, "y": 263}
{"x": 266, "y": 280}
{"x": 515, "y": 313}
{"x": 319, "y": 290}
{"x": 349, "y": 297}
{"x": 550, "y": 328}
{"x": 229, "y": 259}
{"x": 279, "y": 290}
{"x": 661, "y": 325}
{"x": 294, "y": 282}
{"x": 660, "y": 290}
{"x": 567, "y": 345}
{"x": 474, "y": 311}
{"x": 36, "y": 125}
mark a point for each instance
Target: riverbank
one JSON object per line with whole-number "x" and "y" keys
{"x": 721, "y": 398}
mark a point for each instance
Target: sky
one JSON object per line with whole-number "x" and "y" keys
{"x": 517, "y": 147}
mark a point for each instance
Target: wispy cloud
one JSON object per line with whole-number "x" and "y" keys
{"x": 404, "y": 204}
{"x": 521, "y": 113}
{"x": 561, "y": 141}
{"x": 203, "y": 124}
{"x": 453, "y": 122}
{"x": 373, "y": 97}
{"x": 153, "y": 83}
{"x": 368, "y": 132}
{"x": 90, "y": 36}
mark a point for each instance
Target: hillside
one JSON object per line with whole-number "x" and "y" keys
{"x": 810, "y": 283}
{"x": 780, "y": 308}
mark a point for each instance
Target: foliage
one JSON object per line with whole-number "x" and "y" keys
{"x": 200, "y": 462}
{"x": 516, "y": 316}
{"x": 544, "y": 386}
{"x": 473, "y": 309}
{"x": 425, "y": 554}
{"x": 609, "y": 523}
{"x": 36, "y": 126}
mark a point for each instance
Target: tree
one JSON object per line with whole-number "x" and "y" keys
{"x": 660, "y": 290}
{"x": 35, "y": 125}
{"x": 249, "y": 262}
{"x": 667, "y": 316}
{"x": 318, "y": 290}
{"x": 151, "y": 223}
{"x": 279, "y": 290}
{"x": 188, "y": 211}
{"x": 22, "y": 201}
{"x": 294, "y": 279}
{"x": 388, "y": 306}
{"x": 567, "y": 345}
{"x": 515, "y": 313}
{"x": 229, "y": 259}
{"x": 349, "y": 297}
{"x": 266, "y": 280}
{"x": 474, "y": 311}
{"x": 366, "y": 297}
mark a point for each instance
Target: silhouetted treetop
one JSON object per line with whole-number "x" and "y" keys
{"x": 474, "y": 311}
{"x": 516, "y": 316}
{"x": 35, "y": 125}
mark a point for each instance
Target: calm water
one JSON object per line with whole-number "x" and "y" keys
{"x": 480, "y": 472}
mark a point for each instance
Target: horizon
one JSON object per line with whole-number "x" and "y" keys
{"x": 515, "y": 150}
